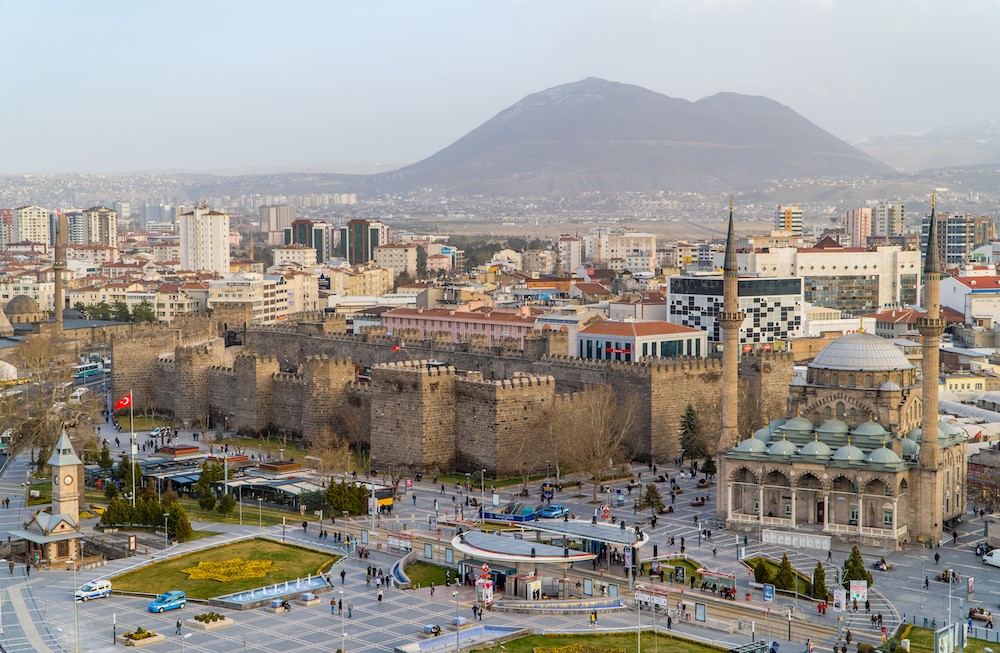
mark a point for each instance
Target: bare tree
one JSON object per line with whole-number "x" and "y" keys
{"x": 331, "y": 451}
{"x": 557, "y": 434}
{"x": 602, "y": 425}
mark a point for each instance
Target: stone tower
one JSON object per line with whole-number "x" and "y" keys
{"x": 730, "y": 319}
{"x": 66, "y": 468}
{"x": 930, "y": 326}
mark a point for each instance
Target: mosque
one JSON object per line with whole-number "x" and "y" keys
{"x": 862, "y": 455}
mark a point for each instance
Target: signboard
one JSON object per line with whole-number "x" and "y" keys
{"x": 484, "y": 590}
{"x": 656, "y": 599}
{"x": 768, "y": 593}
{"x": 409, "y": 483}
{"x": 859, "y": 590}
{"x": 679, "y": 572}
{"x": 699, "y": 612}
{"x": 793, "y": 540}
{"x": 399, "y": 541}
{"x": 971, "y": 587}
{"x": 839, "y": 599}
{"x": 947, "y": 637}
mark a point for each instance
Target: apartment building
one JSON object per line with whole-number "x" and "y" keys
{"x": 294, "y": 255}
{"x": 204, "y": 241}
{"x": 32, "y": 224}
{"x": 265, "y": 295}
{"x": 399, "y": 258}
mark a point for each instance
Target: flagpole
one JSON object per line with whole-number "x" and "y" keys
{"x": 131, "y": 420}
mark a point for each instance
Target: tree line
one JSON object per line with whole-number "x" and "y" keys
{"x": 118, "y": 311}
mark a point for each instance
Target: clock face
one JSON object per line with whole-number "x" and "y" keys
{"x": 68, "y": 480}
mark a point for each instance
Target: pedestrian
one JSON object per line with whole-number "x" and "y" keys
{"x": 829, "y": 556}
{"x": 414, "y": 499}
{"x": 937, "y": 558}
{"x": 715, "y": 552}
{"x": 849, "y": 636}
{"x": 868, "y": 607}
{"x": 10, "y": 564}
{"x": 27, "y": 570}
{"x": 670, "y": 622}
{"x": 432, "y": 588}
{"x": 480, "y": 613}
{"x": 593, "y": 617}
{"x": 333, "y": 606}
{"x": 305, "y": 526}
{"x": 927, "y": 582}
{"x": 380, "y": 595}
{"x": 475, "y": 611}
{"x": 350, "y": 609}
{"x": 178, "y": 630}
{"x": 343, "y": 574}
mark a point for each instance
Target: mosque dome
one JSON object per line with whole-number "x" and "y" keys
{"x": 775, "y": 423}
{"x": 782, "y": 448}
{"x": 763, "y": 434}
{"x": 883, "y": 456}
{"x": 797, "y": 381}
{"x": 817, "y": 449}
{"x": 751, "y": 445}
{"x": 873, "y": 429}
{"x": 863, "y": 352}
{"x": 833, "y": 427}
{"x": 798, "y": 424}
{"x": 910, "y": 448}
{"x": 890, "y": 386}
{"x": 849, "y": 453}
{"x": 21, "y": 305}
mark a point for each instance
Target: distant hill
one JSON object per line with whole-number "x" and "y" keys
{"x": 947, "y": 147}
{"x": 601, "y": 136}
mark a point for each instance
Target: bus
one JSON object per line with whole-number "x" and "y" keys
{"x": 87, "y": 370}
{"x": 78, "y": 395}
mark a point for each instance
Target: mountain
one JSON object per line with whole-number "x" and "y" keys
{"x": 601, "y": 136}
{"x": 967, "y": 145}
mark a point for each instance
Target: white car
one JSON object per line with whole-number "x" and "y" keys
{"x": 992, "y": 558}
{"x": 95, "y": 589}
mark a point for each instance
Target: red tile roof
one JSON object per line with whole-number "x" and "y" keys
{"x": 635, "y": 329}
{"x": 979, "y": 283}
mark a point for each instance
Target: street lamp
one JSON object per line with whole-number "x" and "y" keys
{"x": 458, "y": 631}
{"x": 76, "y": 611}
{"x": 183, "y": 637}
{"x": 62, "y": 643}
{"x": 166, "y": 535}
{"x": 482, "y": 497}
{"x": 342, "y": 637}
{"x": 638, "y": 622}
{"x": 260, "y": 521}
{"x": 789, "y": 624}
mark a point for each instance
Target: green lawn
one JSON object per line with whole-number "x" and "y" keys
{"x": 922, "y": 641}
{"x": 422, "y": 573}
{"x": 292, "y": 562}
{"x": 800, "y": 580}
{"x": 627, "y": 641}
{"x": 194, "y": 512}
{"x": 691, "y": 568}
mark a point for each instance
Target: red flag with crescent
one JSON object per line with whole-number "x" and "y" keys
{"x": 124, "y": 402}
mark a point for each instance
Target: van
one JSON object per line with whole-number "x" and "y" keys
{"x": 78, "y": 395}
{"x": 992, "y": 558}
{"x": 95, "y": 589}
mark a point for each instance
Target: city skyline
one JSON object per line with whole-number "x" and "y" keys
{"x": 245, "y": 86}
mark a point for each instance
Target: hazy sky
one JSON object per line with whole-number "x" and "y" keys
{"x": 122, "y": 85}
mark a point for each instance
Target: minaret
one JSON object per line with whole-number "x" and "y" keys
{"x": 730, "y": 320}
{"x": 931, "y": 326}
{"x": 62, "y": 232}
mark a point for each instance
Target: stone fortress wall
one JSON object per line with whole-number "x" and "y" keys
{"x": 430, "y": 405}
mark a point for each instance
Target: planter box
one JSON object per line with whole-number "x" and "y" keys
{"x": 215, "y": 625}
{"x": 275, "y": 609}
{"x": 312, "y": 601}
{"x": 139, "y": 643}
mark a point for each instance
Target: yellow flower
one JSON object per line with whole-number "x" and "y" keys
{"x": 232, "y": 569}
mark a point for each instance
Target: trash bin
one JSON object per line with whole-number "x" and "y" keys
{"x": 749, "y": 596}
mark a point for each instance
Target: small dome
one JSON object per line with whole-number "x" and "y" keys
{"x": 21, "y": 305}
{"x": 751, "y": 445}
{"x": 883, "y": 456}
{"x": 849, "y": 453}
{"x": 910, "y": 448}
{"x": 890, "y": 386}
{"x": 870, "y": 429}
{"x": 863, "y": 352}
{"x": 833, "y": 426}
{"x": 775, "y": 423}
{"x": 763, "y": 434}
{"x": 798, "y": 424}
{"x": 817, "y": 449}
{"x": 797, "y": 381}
{"x": 950, "y": 429}
{"x": 782, "y": 448}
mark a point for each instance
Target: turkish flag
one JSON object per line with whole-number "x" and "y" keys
{"x": 395, "y": 347}
{"x": 124, "y": 402}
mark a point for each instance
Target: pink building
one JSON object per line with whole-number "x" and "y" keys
{"x": 493, "y": 324}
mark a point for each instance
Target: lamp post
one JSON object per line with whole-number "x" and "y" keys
{"x": 260, "y": 518}
{"x": 183, "y": 637}
{"x": 114, "y": 628}
{"x": 166, "y": 534}
{"x": 638, "y": 622}
{"x": 76, "y": 611}
{"x": 458, "y": 631}
{"x": 240, "y": 491}
{"x": 62, "y": 642}
{"x": 482, "y": 497}
{"x": 789, "y": 624}
{"x": 342, "y": 637}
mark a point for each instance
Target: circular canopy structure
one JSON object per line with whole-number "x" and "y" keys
{"x": 485, "y": 546}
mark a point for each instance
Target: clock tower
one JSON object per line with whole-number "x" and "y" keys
{"x": 66, "y": 468}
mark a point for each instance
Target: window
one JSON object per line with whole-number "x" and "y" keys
{"x": 854, "y": 515}
{"x": 788, "y": 509}
{"x": 887, "y": 518}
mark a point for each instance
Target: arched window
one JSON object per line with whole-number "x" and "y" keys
{"x": 827, "y": 413}
{"x": 840, "y": 410}
{"x": 850, "y": 380}
{"x": 854, "y": 416}
{"x": 868, "y": 380}
{"x": 836, "y": 379}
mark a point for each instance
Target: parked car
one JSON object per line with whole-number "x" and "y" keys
{"x": 168, "y": 601}
{"x": 553, "y": 511}
{"x": 95, "y": 589}
{"x": 992, "y": 558}
{"x": 155, "y": 433}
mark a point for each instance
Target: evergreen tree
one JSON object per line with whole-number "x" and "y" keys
{"x": 651, "y": 499}
{"x": 144, "y": 312}
{"x": 177, "y": 522}
{"x": 226, "y": 504}
{"x": 110, "y": 491}
{"x": 104, "y": 460}
{"x": 708, "y": 466}
{"x": 120, "y": 312}
{"x": 761, "y": 571}
{"x": 691, "y": 442}
{"x": 785, "y": 578}
{"x": 819, "y": 590}
{"x": 854, "y": 569}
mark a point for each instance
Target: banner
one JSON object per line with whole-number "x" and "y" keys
{"x": 839, "y": 599}
{"x": 859, "y": 590}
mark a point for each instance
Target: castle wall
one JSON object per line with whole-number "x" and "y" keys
{"x": 252, "y": 396}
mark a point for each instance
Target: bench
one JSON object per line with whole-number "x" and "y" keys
{"x": 430, "y": 630}
{"x": 755, "y": 647}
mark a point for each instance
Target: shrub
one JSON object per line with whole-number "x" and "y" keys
{"x": 865, "y": 648}
{"x": 140, "y": 633}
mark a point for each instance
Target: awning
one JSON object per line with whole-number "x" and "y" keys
{"x": 38, "y": 538}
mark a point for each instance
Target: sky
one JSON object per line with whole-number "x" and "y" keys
{"x": 117, "y": 86}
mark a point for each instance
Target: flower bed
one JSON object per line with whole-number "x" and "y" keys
{"x": 232, "y": 569}
{"x": 141, "y": 637}
{"x": 210, "y": 621}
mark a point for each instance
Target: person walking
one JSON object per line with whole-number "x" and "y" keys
{"x": 432, "y": 588}
{"x": 380, "y": 595}
{"x": 343, "y": 574}
{"x": 849, "y": 636}
{"x": 177, "y": 631}
{"x": 937, "y": 558}
{"x": 11, "y": 566}
{"x": 333, "y": 606}
{"x": 350, "y": 609}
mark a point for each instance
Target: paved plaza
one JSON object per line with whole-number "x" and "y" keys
{"x": 39, "y": 613}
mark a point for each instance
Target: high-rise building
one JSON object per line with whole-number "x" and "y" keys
{"x": 984, "y": 229}
{"x": 956, "y": 237}
{"x": 205, "y": 240}
{"x": 399, "y": 257}
{"x": 95, "y": 226}
{"x": 570, "y": 254}
{"x": 359, "y": 238}
{"x": 31, "y": 223}
{"x": 788, "y": 217}
{"x": 6, "y": 227}
{"x": 276, "y": 218}
{"x": 887, "y": 219}
{"x": 858, "y": 225}
{"x": 312, "y": 233}
{"x": 124, "y": 211}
